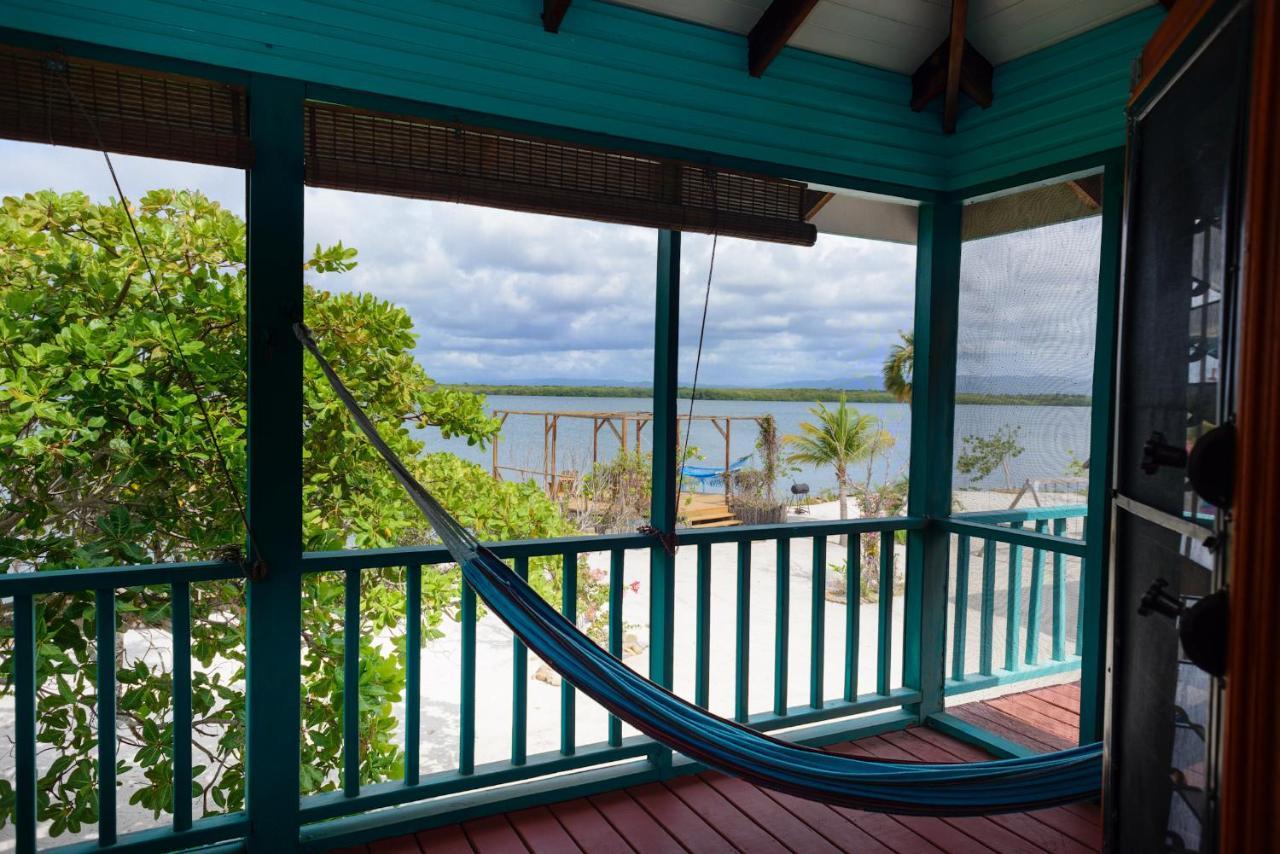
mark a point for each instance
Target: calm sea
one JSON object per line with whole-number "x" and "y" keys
{"x": 1050, "y": 435}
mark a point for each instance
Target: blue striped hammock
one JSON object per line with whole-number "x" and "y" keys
{"x": 711, "y": 472}
{"x": 975, "y": 788}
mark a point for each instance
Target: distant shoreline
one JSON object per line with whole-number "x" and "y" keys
{"x": 800, "y": 395}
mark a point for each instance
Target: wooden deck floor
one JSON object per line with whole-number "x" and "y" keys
{"x": 713, "y": 813}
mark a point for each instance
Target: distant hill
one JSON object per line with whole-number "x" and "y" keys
{"x": 766, "y": 394}
{"x": 966, "y": 385}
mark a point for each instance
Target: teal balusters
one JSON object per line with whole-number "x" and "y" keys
{"x": 412, "y": 671}
{"x": 818, "y": 625}
{"x": 742, "y": 656}
{"x": 180, "y": 628}
{"x": 782, "y": 625}
{"x": 1059, "y": 596}
{"x": 1034, "y": 599}
{"x": 884, "y": 663}
{"x": 702, "y": 630}
{"x": 467, "y": 711}
{"x": 105, "y": 617}
{"x": 520, "y": 681}
{"x": 617, "y": 562}
{"x": 852, "y": 614}
{"x": 988, "y": 608}
{"x": 1013, "y": 605}
{"x": 24, "y": 695}
{"x": 568, "y": 696}
{"x": 351, "y": 685}
{"x": 1081, "y": 599}
{"x": 960, "y": 624}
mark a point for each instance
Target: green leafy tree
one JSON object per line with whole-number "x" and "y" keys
{"x": 898, "y": 366}
{"x": 982, "y": 455}
{"x": 105, "y": 460}
{"x": 837, "y": 437}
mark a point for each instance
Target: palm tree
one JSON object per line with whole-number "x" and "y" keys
{"x": 897, "y": 367}
{"x": 838, "y": 438}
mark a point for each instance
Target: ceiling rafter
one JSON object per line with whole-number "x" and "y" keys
{"x": 1089, "y": 190}
{"x": 955, "y": 66}
{"x": 770, "y": 34}
{"x": 553, "y": 13}
{"x": 814, "y": 201}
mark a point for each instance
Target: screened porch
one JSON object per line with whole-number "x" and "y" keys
{"x": 982, "y": 631}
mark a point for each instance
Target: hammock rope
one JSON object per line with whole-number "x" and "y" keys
{"x": 976, "y": 788}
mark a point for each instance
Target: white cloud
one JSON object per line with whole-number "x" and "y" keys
{"x": 502, "y": 296}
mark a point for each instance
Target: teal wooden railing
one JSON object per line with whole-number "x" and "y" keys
{"x": 1019, "y": 636}
{"x": 1050, "y": 545}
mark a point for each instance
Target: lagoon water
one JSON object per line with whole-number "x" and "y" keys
{"x": 1051, "y": 435}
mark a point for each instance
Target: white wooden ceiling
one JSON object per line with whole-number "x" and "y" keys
{"x": 899, "y": 34}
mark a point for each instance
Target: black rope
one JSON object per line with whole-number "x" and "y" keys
{"x": 697, "y": 362}
{"x": 256, "y": 567}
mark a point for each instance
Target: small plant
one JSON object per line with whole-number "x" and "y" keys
{"x": 1076, "y": 467}
{"x": 982, "y": 455}
{"x": 618, "y": 491}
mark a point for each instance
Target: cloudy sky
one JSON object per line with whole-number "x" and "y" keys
{"x": 507, "y": 297}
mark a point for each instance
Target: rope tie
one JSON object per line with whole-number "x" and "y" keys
{"x": 668, "y": 539}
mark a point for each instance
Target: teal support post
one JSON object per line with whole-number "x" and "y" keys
{"x": 1097, "y": 532}
{"x": 662, "y": 510}
{"x": 932, "y": 419}
{"x": 275, "y": 257}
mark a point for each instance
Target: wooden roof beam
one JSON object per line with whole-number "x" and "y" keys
{"x": 770, "y": 34}
{"x": 553, "y": 13}
{"x": 814, "y": 201}
{"x": 955, "y": 53}
{"x": 1089, "y": 190}
{"x": 955, "y": 66}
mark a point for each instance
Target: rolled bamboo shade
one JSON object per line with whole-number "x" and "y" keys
{"x": 44, "y": 97}
{"x": 350, "y": 149}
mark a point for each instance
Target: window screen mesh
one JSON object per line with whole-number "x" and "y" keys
{"x": 350, "y": 149}
{"x": 46, "y": 97}
{"x": 1024, "y": 362}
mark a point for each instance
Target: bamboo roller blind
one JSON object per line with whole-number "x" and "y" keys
{"x": 349, "y": 149}
{"x": 44, "y": 98}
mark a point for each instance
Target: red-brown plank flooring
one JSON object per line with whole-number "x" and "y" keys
{"x": 710, "y": 812}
